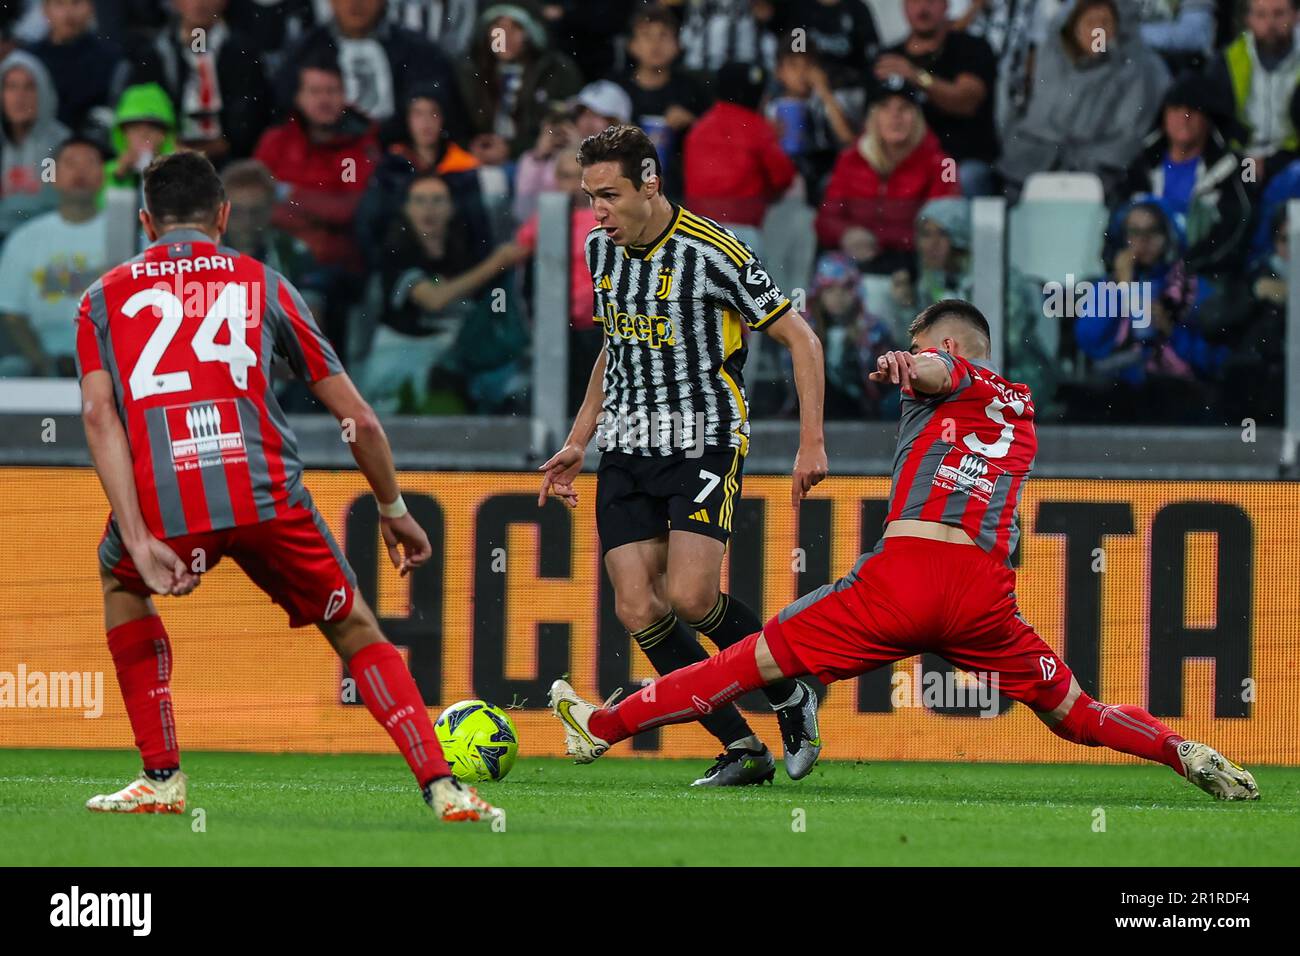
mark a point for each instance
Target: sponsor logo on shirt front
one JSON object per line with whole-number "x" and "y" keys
{"x": 967, "y": 473}
{"x": 205, "y": 434}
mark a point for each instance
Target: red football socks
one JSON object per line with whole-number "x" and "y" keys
{"x": 142, "y": 656}
{"x": 684, "y": 695}
{"x": 390, "y": 694}
{"x": 1121, "y": 727}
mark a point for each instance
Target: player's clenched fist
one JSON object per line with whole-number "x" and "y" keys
{"x": 897, "y": 367}
{"x": 161, "y": 570}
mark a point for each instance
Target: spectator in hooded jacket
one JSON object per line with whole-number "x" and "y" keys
{"x": 735, "y": 167}
{"x": 511, "y": 78}
{"x": 880, "y": 182}
{"x": 82, "y": 65}
{"x": 1188, "y": 164}
{"x": 1096, "y": 93}
{"x": 29, "y": 135}
{"x": 214, "y": 77}
{"x": 1150, "y": 343}
{"x": 380, "y": 63}
{"x": 144, "y": 127}
{"x": 323, "y": 156}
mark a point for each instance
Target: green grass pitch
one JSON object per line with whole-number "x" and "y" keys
{"x": 311, "y": 810}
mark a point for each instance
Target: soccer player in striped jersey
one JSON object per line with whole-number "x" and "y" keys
{"x": 666, "y": 401}
{"x": 940, "y": 580}
{"x": 174, "y": 349}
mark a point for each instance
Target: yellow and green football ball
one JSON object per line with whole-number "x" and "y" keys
{"x": 478, "y": 739}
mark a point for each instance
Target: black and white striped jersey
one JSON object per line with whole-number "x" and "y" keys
{"x": 672, "y": 314}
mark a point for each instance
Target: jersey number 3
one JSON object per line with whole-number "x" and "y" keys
{"x": 230, "y": 309}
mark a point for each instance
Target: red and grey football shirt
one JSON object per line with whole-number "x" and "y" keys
{"x": 188, "y": 331}
{"x": 963, "y": 457}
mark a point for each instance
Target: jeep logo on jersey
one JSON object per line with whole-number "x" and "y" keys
{"x": 205, "y": 434}
{"x": 654, "y": 330}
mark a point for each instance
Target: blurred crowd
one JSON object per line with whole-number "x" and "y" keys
{"x": 388, "y": 156}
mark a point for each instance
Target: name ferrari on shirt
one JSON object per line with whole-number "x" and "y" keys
{"x": 171, "y": 267}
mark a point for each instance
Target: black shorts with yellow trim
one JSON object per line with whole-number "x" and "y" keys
{"x": 643, "y": 497}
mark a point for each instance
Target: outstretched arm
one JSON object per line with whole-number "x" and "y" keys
{"x": 923, "y": 373}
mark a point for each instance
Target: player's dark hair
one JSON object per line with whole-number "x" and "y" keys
{"x": 183, "y": 187}
{"x": 654, "y": 13}
{"x": 629, "y": 146}
{"x": 945, "y": 309}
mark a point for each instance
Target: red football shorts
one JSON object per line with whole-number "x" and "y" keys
{"x": 292, "y": 557}
{"x": 915, "y": 596}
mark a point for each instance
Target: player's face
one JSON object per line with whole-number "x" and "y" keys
{"x": 69, "y": 18}
{"x": 80, "y": 172}
{"x": 507, "y": 39}
{"x": 425, "y": 119}
{"x": 621, "y": 209}
{"x": 320, "y": 97}
{"x": 21, "y": 98}
{"x": 357, "y": 16}
{"x": 653, "y": 46}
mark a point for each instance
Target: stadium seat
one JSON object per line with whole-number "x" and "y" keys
{"x": 1056, "y": 233}
{"x": 1063, "y": 187}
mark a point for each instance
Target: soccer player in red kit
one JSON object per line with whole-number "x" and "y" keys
{"x": 174, "y": 350}
{"x": 939, "y": 582}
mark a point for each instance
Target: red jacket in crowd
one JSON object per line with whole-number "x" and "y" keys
{"x": 734, "y": 165}
{"x": 326, "y": 187}
{"x": 857, "y": 195}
